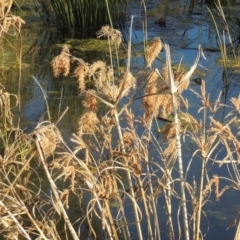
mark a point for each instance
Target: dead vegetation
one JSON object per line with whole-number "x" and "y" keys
{"x": 114, "y": 163}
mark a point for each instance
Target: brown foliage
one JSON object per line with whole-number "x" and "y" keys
{"x": 81, "y": 72}
{"x": 153, "y": 49}
{"x": 48, "y": 138}
{"x": 112, "y": 34}
{"x": 61, "y": 63}
{"x": 151, "y": 101}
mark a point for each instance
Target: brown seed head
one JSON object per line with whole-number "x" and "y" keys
{"x": 87, "y": 123}
{"x": 112, "y": 34}
{"x": 90, "y": 101}
{"x": 61, "y": 63}
{"x": 154, "y": 48}
{"x": 81, "y": 73}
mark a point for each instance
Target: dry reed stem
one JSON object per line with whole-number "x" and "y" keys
{"x": 58, "y": 205}
{"x": 12, "y": 222}
{"x": 112, "y": 34}
{"x": 153, "y": 49}
{"x": 237, "y": 148}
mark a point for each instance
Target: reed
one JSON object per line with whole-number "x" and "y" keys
{"x": 86, "y": 15}
{"x": 224, "y": 40}
{"x": 116, "y": 162}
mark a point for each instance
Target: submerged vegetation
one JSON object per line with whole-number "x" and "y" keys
{"x": 109, "y": 182}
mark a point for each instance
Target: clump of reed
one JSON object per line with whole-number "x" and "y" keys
{"x": 85, "y": 15}
{"x": 131, "y": 155}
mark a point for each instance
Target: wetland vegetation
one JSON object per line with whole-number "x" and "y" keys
{"x": 149, "y": 151}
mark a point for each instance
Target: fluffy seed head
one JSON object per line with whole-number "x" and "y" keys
{"x": 112, "y": 34}
{"x": 61, "y": 63}
{"x": 153, "y": 49}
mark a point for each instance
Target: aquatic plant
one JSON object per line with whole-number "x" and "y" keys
{"x": 51, "y": 190}
{"x": 87, "y": 16}
{"x": 131, "y": 157}
{"x": 224, "y": 41}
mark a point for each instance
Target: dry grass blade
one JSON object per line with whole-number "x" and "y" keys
{"x": 187, "y": 76}
{"x": 214, "y": 181}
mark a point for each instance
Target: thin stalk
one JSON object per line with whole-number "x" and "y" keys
{"x": 128, "y": 59}
{"x": 221, "y": 45}
{"x": 55, "y": 192}
{"x": 111, "y": 24}
{"x": 19, "y": 80}
{"x": 45, "y": 98}
{"x": 173, "y": 91}
{"x": 129, "y": 179}
{"x": 109, "y": 214}
{"x": 199, "y": 209}
{"x": 145, "y": 40}
{"x": 90, "y": 183}
{"x": 153, "y": 205}
{"x": 168, "y": 201}
{"x": 150, "y": 234}
{"x": 152, "y": 202}
{"x": 220, "y": 10}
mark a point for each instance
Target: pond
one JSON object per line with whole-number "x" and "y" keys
{"x": 184, "y": 32}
